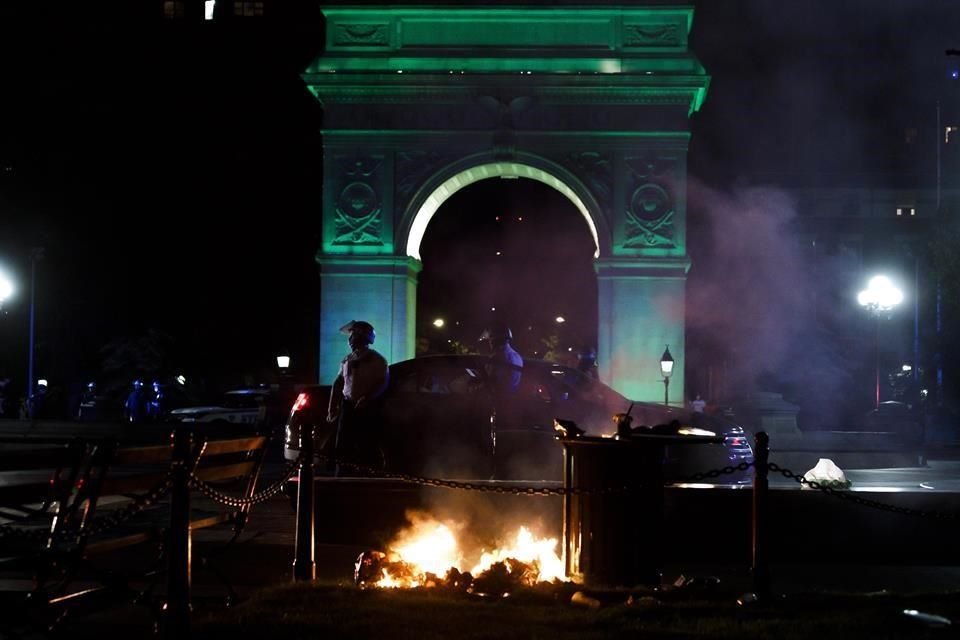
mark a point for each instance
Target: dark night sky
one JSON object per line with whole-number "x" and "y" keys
{"x": 173, "y": 179}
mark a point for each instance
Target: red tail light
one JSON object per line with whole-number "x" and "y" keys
{"x": 300, "y": 403}
{"x": 736, "y": 441}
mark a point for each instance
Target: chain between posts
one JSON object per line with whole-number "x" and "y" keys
{"x": 261, "y": 496}
{"x": 852, "y": 496}
{"x": 716, "y": 473}
{"x": 522, "y": 490}
{"x": 99, "y": 525}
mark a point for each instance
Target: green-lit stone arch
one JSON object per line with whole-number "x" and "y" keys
{"x": 442, "y": 186}
{"x": 421, "y": 99}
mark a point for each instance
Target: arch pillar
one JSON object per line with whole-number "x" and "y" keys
{"x": 641, "y": 309}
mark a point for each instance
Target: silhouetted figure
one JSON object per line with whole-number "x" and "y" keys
{"x": 504, "y": 372}
{"x": 587, "y": 362}
{"x": 37, "y": 403}
{"x": 506, "y": 365}
{"x": 698, "y": 404}
{"x": 6, "y": 397}
{"x": 135, "y": 406}
{"x": 156, "y": 402}
{"x": 354, "y": 398}
{"x": 87, "y": 412}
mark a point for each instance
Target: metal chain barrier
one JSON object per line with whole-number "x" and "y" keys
{"x": 713, "y": 474}
{"x": 8, "y": 532}
{"x": 852, "y": 496}
{"x": 261, "y": 496}
{"x": 522, "y": 490}
{"x": 139, "y": 503}
{"x": 100, "y": 524}
{"x": 519, "y": 490}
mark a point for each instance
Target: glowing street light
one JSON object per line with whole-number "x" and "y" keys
{"x": 283, "y": 361}
{"x": 439, "y": 322}
{"x": 880, "y": 296}
{"x": 6, "y": 288}
{"x": 560, "y": 319}
{"x": 666, "y": 370}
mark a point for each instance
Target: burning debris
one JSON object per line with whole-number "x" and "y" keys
{"x": 428, "y": 555}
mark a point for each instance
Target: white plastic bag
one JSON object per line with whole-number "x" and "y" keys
{"x": 826, "y": 474}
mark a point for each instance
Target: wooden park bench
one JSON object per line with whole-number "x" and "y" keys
{"x": 63, "y": 505}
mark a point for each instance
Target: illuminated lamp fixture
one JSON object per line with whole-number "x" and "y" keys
{"x": 666, "y": 370}
{"x": 6, "y": 288}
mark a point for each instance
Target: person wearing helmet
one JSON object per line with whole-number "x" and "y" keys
{"x": 362, "y": 379}
{"x": 503, "y": 371}
{"x": 136, "y": 403}
{"x": 587, "y": 362}
{"x": 506, "y": 365}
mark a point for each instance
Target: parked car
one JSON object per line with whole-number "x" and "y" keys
{"x": 248, "y": 409}
{"x": 436, "y": 420}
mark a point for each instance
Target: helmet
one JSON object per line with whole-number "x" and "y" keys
{"x": 361, "y": 328}
{"x": 497, "y": 334}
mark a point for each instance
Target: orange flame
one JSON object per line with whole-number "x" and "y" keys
{"x": 429, "y": 547}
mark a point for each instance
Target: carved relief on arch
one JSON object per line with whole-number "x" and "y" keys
{"x": 653, "y": 35}
{"x": 358, "y": 208}
{"x": 650, "y": 207}
{"x": 413, "y": 168}
{"x": 361, "y": 34}
{"x": 595, "y": 170}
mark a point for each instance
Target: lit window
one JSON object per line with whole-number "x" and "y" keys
{"x": 906, "y": 211}
{"x": 248, "y": 9}
{"x": 947, "y": 132}
{"x": 173, "y": 8}
{"x": 208, "y": 7}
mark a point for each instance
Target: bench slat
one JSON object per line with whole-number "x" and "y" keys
{"x": 226, "y": 471}
{"x": 142, "y": 455}
{"x": 221, "y": 447}
{"x": 118, "y": 485}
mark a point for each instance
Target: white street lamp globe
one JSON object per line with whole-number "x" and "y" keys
{"x": 6, "y": 287}
{"x": 666, "y": 363}
{"x": 880, "y": 295}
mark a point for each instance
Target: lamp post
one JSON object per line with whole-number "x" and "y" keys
{"x": 283, "y": 361}
{"x": 880, "y": 296}
{"x": 666, "y": 370}
{"x": 36, "y": 254}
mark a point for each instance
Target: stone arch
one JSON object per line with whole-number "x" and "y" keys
{"x": 446, "y": 182}
{"x": 420, "y": 100}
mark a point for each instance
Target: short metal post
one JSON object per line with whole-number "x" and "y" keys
{"x": 761, "y": 487}
{"x": 304, "y": 566}
{"x": 176, "y": 610}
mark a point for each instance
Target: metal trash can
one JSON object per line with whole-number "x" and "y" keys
{"x": 613, "y": 510}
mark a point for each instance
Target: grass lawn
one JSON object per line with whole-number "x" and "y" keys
{"x": 327, "y": 611}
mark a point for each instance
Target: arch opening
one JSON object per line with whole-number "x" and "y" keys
{"x": 510, "y": 251}
{"x": 504, "y": 170}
